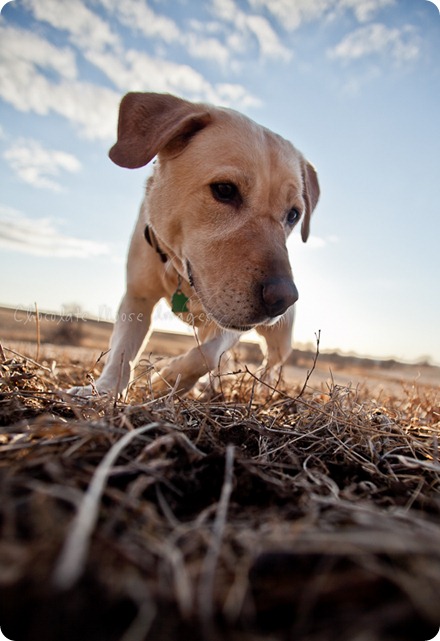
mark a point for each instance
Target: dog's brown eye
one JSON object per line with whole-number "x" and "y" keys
{"x": 293, "y": 216}
{"x": 226, "y": 193}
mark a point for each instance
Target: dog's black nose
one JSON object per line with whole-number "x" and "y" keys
{"x": 278, "y": 295}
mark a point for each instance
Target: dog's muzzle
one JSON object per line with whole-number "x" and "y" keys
{"x": 274, "y": 297}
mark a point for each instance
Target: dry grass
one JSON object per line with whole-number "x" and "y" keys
{"x": 295, "y": 514}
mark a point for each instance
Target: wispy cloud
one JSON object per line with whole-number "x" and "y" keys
{"x": 313, "y": 242}
{"x": 41, "y": 237}
{"x": 208, "y": 48}
{"x": 84, "y": 27}
{"x": 139, "y": 17}
{"x": 132, "y": 69}
{"x": 27, "y": 51}
{"x": 137, "y": 71}
{"x": 400, "y": 45}
{"x": 42, "y": 77}
{"x": 268, "y": 40}
{"x": 39, "y": 77}
{"x": 292, "y": 15}
{"x": 249, "y": 26}
{"x": 37, "y": 165}
{"x": 365, "y": 10}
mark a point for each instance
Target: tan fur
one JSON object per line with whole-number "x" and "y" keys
{"x": 232, "y": 250}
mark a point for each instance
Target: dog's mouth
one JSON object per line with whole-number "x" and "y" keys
{"x": 189, "y": 274}
{"x": 237, "y": 328}
{"x": 221, "y": 323}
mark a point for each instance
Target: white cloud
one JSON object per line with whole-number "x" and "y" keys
{"x": 291, "y": 14}
{"x": 37, "y": 165}
{"x": 136, "y": 71}
{"x": 377, "y": 39}
{"x": 225, "y": 9}
{"x": 37, "y": 76}
{"x": 269, "y": 43}
{"x": 40, "y": 237}
{"x": 207, "y": 49}
{"x": 26, "y": 51}
{"x": 138, "y": 16}
{"x": 139, "y": 71}
{"x": 248, "y": 25}
{"x": 93, "y": 109}
{"x": 207, "y": 26}
{"x": 85, "y": 28}
{"x": 364, "y": 10}
{"x": 230, "y": 94}
{"x": 42, "y": 78}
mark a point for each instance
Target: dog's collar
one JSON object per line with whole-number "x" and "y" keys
{"x": 151, "y": 240}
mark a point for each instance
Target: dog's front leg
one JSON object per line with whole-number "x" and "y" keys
{"x": 130, "y": 335}
{"x": 183, "y": 372}
{"x": 278, "y": 346}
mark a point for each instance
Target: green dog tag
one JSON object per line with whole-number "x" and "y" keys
{"x": 178, "y": 302}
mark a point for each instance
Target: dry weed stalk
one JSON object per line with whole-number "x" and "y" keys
{"x": 283, "y": 515}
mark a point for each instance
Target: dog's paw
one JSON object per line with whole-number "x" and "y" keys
{"x": 164, "y": 382}
{"x": 269, "y": 379}
{"x": 89, "y": 391}
{"x": 83, "y": 392}
{"x": 171, "y": 378}
{"x": 159, "y": 386}
{"x": 208, "y": 388}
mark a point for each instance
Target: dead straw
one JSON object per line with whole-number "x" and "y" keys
{"x": 37, "y": 326}
{"x": 253, "y": 515}
{"x": 70, "y": 564}
{"x": 207, "y": 578}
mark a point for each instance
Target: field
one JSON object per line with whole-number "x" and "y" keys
{"x": 307, "y": 512}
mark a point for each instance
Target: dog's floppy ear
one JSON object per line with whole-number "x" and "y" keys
{"x": 148, "y": 122}
{"x": 310, "y": 195}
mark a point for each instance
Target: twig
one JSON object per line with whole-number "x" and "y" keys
{"x": 118, "y": 382}
{"x": 73, "y": 555}
{"x": 37, "y": 319}
{"x": 310, "y": 371}
{"x": 140, "y": 626}
{"x": 206, "y": 586}
{"x": 28, "y": 359}
{"x": 102, "y": 354}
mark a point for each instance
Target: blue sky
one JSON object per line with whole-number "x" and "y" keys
{"x": 354, "y": 84}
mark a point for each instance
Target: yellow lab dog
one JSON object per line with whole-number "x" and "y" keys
{"x": 211, "y": 235}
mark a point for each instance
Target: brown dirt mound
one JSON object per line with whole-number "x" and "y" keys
{"x": 288, "y": 515}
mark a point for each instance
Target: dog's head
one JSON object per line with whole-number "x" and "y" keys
{"x": 225, "y": 195}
